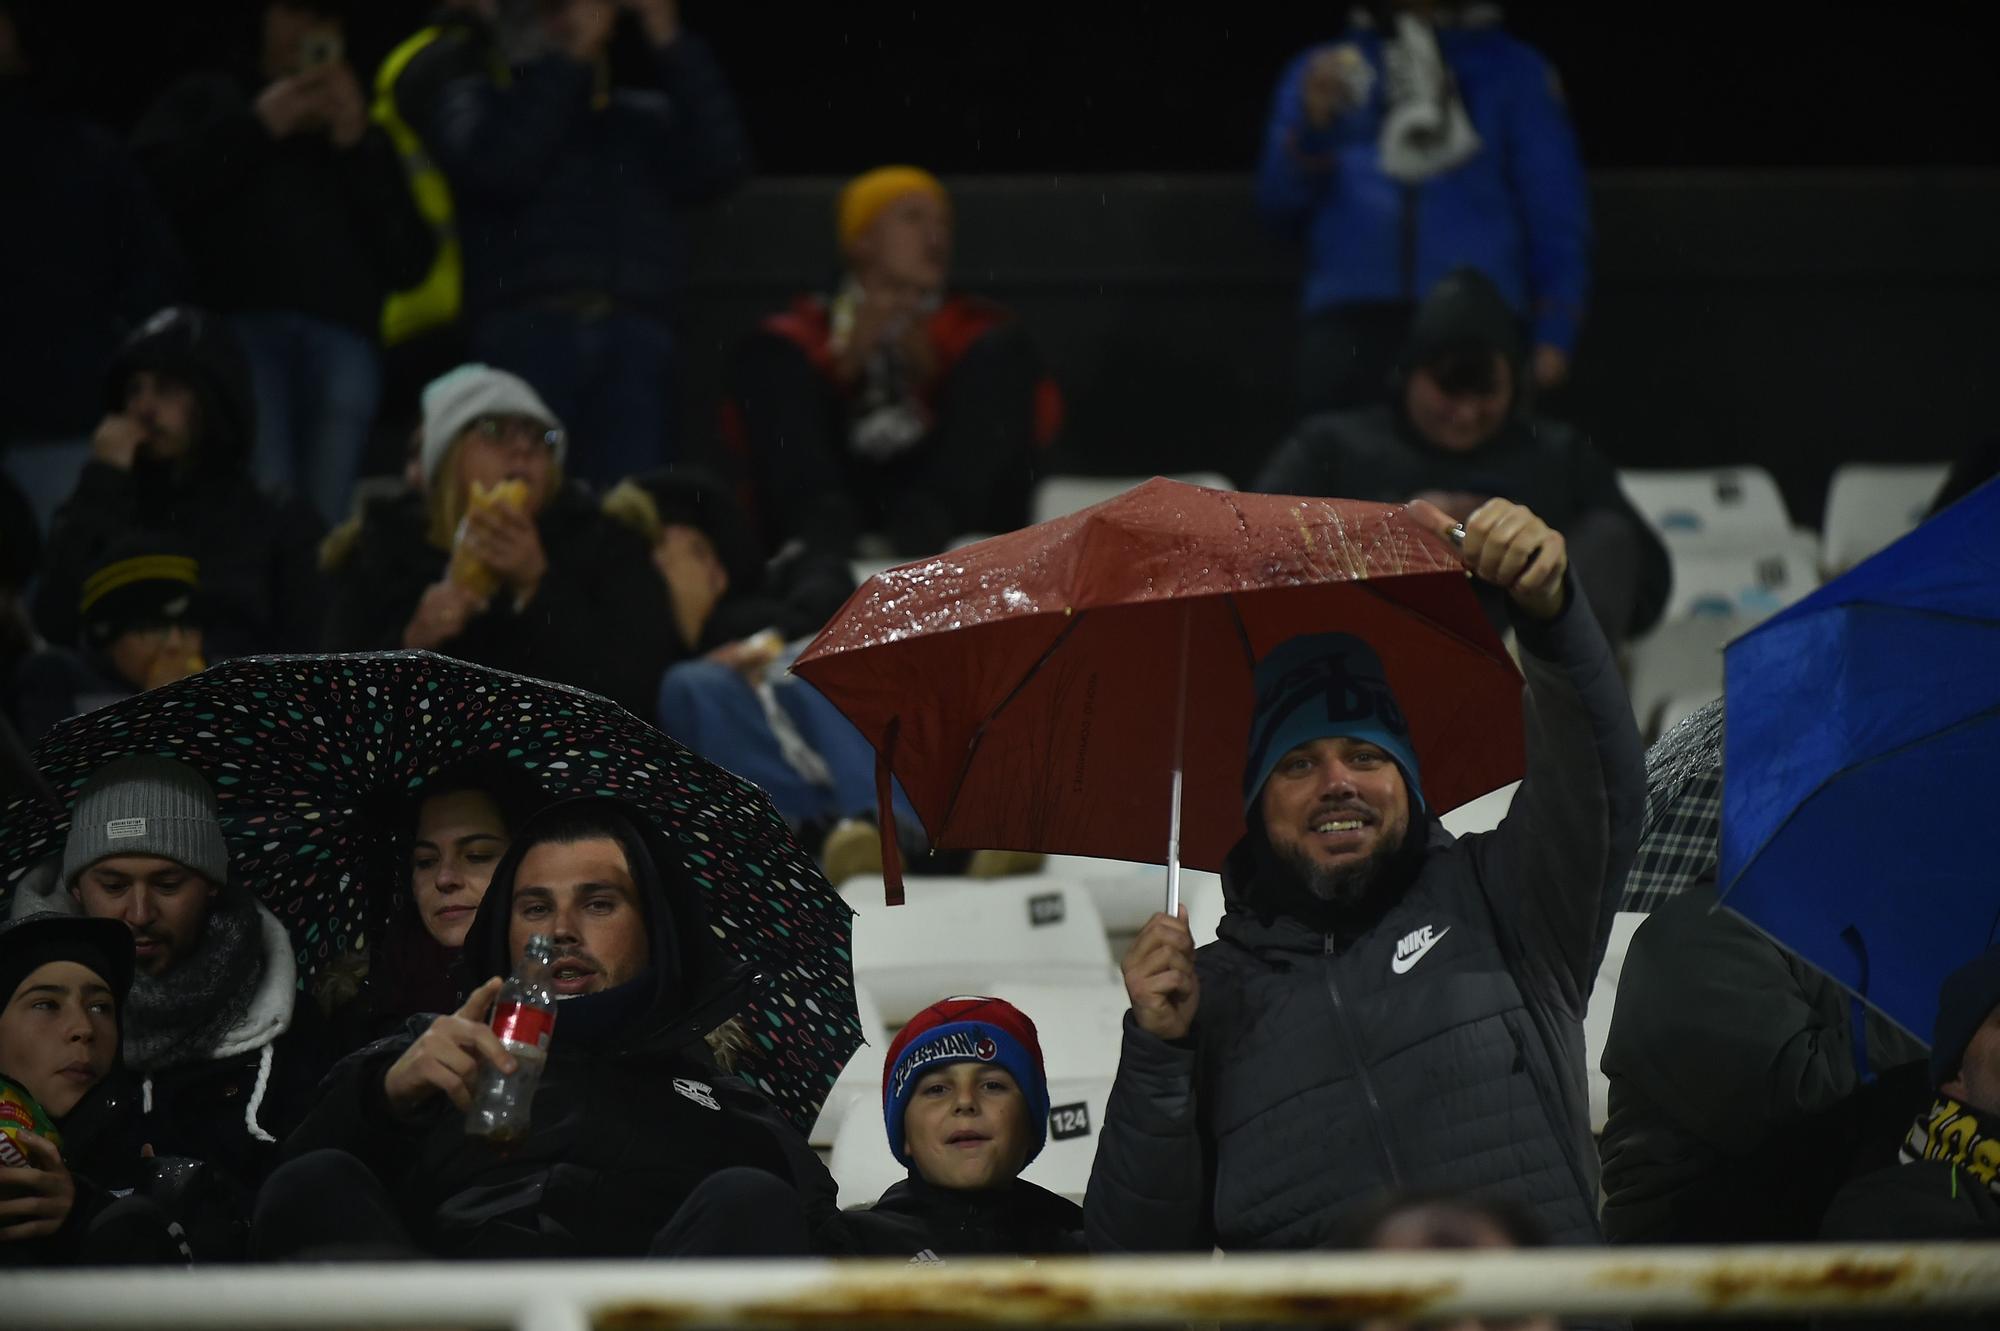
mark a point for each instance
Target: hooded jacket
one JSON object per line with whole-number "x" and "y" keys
{"x": 1438, "y": 1046}
{"x": 1518, "y": 210}
{"x": 257, "y": 552}
{"x": 1375, "y": 453}
{"x": 599, "y": 621}
{"x": 228, "y": 1106}
{"x": 915, "y": 1219}
{"x": 623, "y": 1126}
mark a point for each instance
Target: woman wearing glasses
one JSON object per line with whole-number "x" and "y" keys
{"x": 493, "y": 557}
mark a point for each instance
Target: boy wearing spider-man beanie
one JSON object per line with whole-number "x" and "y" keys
{"x": 969, "y": 1029}
{"x": 939, "y": 1212}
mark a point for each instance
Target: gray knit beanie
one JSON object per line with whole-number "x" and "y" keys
{"x": 459, "y": 397}
{"x": 143, "y": 805}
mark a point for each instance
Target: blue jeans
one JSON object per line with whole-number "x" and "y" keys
{"x": 610, "y": 379}
{"x": 713, "y": 710}
{"x": 317, "y": 386}
{"x": 47, "y": 471}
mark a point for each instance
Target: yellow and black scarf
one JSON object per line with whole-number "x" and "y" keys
{"x": 1951, "y": 1132}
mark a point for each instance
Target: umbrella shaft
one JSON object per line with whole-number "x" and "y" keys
{"x": 1174, "y": 810}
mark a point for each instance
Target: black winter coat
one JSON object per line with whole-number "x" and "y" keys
{"x": 1372, "y": 453}
{"x": 293, "y": 224}
{"x": 1438, "y": 1048}
{"x": 621, "y": 1130}
{"x": 915, "y": 1218}
{"x": 1736, "y": 1109}
{"x": 558, "y": 197}
{"x": 261, "y": 590}
{"x": 600, "y": 621}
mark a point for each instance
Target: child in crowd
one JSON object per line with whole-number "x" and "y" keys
{"x": 141, "y": 627}
{"x": 965, "y": 1100}
{"x": 64, "y": 1138}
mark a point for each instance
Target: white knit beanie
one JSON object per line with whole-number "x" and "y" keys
{"x": 459, "y": 397}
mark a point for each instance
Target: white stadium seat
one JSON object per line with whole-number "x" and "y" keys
{"x": 1480, "y": 815}
{"x": 1721, "y": 505}
{"x": 1059, "y": 496}
{"x": 959, "y": 936}
{"x": 860, "y": 1082}
{"x": 1869, "y": 507}
{"x": 1750, "y": 582}
{"x": 1682, "y": 658}
{"x": 1597, "y": 1018}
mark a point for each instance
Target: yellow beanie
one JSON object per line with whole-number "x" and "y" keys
{"x": 865, "y": 196}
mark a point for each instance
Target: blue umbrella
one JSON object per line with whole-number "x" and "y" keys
{"x": 1858, "y": 801}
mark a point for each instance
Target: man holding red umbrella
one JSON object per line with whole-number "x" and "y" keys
{"x": 1385, "y": 1008}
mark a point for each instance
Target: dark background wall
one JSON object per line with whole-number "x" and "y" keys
{"x": 1794, "y": 321}
{"x": 1797, "y": 207}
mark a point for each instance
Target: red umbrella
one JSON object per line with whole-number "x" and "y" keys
{"x": 1040, "y": 690}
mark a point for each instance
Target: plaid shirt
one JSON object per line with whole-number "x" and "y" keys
{"x": 1683, "y": 811}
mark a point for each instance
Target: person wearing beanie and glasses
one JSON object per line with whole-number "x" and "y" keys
{"x": 1947, "y": 1184}
{"x": 227, "y": 1054}
{"x": 497, "y": 559}
{"x": 966, "y": 1103}
{"x": 141, "y": 618}
{"x": 1385, "y": 1007}
{"x": 893, "y": 405}
{"x": 170, "y": 466}
{"x": 64, "y": 1140}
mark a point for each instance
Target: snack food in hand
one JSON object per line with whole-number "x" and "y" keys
{"x": 466, "y": 569}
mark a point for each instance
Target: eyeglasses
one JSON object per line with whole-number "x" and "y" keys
{"x": 521, "y": 431}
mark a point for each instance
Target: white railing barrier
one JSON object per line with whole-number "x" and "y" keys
{"x": 1077, "y": 1291}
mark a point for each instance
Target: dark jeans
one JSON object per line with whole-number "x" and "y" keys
{"x": 610, "y": 378}
{"x": 328, "y": 1206}
{"x": 1347, "y": 352}
{"x": 972, "y": 473}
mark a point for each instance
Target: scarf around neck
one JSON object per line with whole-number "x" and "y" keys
{"x": 182, "y": 1017}
{"x": 1951, "y": 1132}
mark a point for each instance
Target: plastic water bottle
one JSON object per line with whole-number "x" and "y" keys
{"x": 524, "y": 1017}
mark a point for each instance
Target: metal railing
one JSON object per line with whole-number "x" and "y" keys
{"x": 1078, "y": 1291}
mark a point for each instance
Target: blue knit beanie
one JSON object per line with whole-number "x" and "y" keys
{"x": 970, "y": 1029}
{"x": 1325, "y": 686}
{"x": 1968, "y": 998}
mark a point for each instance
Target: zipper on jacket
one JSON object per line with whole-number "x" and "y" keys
{"x": 1376, "y": 1118}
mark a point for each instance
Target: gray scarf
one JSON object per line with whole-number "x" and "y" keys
{"x": 182, "y": 1016}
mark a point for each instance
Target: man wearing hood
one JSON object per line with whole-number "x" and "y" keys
{"x": 637, "y": 1143}
{"x": 1385, "y": 1007}
{"x": 226, "y": 1056}
{"x": 1460, "y": 428}
{"x": 171, "y": 461}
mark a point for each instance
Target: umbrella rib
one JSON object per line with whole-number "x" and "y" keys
{"x": 1242, "y": 631}
{"x": 979, "y": 732}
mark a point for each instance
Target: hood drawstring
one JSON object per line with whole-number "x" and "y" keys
{"x": 146, "y": 1095}
{"x": 256, "y": 1097}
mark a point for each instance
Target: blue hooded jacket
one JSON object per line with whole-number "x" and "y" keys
{"x": 1518, "y": 210}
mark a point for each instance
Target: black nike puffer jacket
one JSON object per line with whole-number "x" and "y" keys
{"x": 1438, "y": 1048}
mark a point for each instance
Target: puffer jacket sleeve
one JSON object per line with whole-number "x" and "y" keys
{"x": 352, "y": 1113}
{"x": 1552, "y": 870}
{"x": 1151, "y": 1187}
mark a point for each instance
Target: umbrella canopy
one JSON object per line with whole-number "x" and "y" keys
{"x": 1027, "y": 690}
{"x": 1862, "y": 725}
{"x": 307, "y": 754}
{"x": 1677, "y": 844}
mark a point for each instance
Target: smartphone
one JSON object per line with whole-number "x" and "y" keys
{"x": 322, "y": 46}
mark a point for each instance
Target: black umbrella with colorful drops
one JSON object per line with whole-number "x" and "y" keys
{"x": 313, "y": 757}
